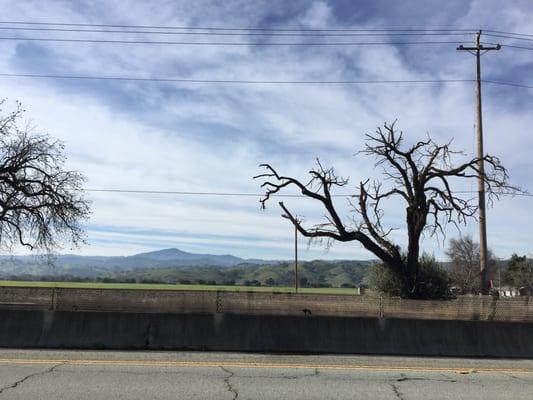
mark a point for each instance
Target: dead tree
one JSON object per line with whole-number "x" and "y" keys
{"x": 41, "y": 204}
{"x": 420, "y": 175}
{"x": 463, "y": 253}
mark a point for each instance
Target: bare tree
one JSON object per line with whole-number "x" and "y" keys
{"x": 463, "y": 254}
{"x": 41, "y": 204}
{"x": 420, "y": 175}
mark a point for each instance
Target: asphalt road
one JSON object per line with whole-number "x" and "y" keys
{"x": 48, "y": 375}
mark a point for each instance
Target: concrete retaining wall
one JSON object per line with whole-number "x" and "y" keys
{"x": 228, "y": 332}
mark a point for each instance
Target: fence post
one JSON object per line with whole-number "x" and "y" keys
{"x": 54, "y": 299}
{"x": 380, "y": 306}
{"x": 218, "y": 303}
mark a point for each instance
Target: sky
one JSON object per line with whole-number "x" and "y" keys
{"x": 211, "y": 137}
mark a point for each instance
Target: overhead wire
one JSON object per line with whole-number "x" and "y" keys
{"x": 508, "y": 37}
{"x": 268, "y": 32}
{"x": 504, "y": 44}
{"x": 236, "y": 81}
{"x": 516, "y": 47}
{"x": 519, "y": 85}
{"x": 240, "y": 33}
{"x": 507, "y": 33}
{"x": 243, "y": 31}
{"x": 33, "y": 23}
{"x": 260, "y": 81}
{"x": 253, "y": 32}
{"x": 186, "y": 193}
{"x": 241, "y": 194}
{"x": 250, "y": 32}
{"x": 156, "y": 42}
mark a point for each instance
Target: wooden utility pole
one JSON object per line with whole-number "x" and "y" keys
{"x": 295, "y": 256}
{"x": 296, "y": 259}
{"x": 478, "y": 51}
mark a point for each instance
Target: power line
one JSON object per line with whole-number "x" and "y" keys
{"x": 241, "y": 33}
{"x": 512, "y": 46}
{"x": 517, "y": 47}
{"x": 237, "y": 81}
{"x": 186, "y": 193}
{"x": 237, "y": 194}
{"x": 508, "y": 84}
{"x": 508, "y": 37}
{"x": 45, "y": 26}
{"x": 234, "y": 29}
{"x": 151, "y": 42}
{"x": 507, "y": 33}
{"x": 254, "y": 81}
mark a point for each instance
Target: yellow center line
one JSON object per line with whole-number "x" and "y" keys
{"x": 236, "y": 364}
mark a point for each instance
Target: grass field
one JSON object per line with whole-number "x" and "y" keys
{"x": 147, "y": 286}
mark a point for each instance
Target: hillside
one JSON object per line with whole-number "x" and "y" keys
{"x": 316, "y": 273}
{"x": 313, "y": 273}
{"x": 177, "y": 266}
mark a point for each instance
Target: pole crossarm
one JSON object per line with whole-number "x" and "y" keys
{"x": 480, "y": 48}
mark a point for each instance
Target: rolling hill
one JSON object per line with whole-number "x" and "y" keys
{"x": 177, "y": 266}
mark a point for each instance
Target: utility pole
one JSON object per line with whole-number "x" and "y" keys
{"x": 478, "y": 51}
{"x": 295, "y": 255}
{"x": 295, "y": 259}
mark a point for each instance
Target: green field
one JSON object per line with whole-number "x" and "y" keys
{"x": 147, "y": 286}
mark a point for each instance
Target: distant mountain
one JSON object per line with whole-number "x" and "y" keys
{"x": 91, "y": 266}
{"x": 183, "y": 258}
{"x": 165, "y": 254}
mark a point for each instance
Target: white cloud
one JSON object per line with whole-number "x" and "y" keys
{"x": 211, "y": 137}
{"x": 317, "y": 16}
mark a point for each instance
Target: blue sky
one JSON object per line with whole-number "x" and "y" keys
{"x": 211, "y": 137}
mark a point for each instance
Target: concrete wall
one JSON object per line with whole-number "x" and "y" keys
{"x": 227, "y": 332}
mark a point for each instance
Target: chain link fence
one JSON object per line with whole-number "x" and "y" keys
{"x": 519, "y": 309}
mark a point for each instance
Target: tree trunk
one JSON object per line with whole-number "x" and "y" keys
{"x": 416, "y": 220}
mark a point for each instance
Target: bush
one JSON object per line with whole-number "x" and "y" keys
{"x": 519, "y": 272}
{"x": 432, "y": 280}
{"x": 304, "y": 282}
{"x": 149, "y": 280}
{"x": 253, "y": 282}
{"x": 348, "y": 285}
{"x": 382, "y": 279}
{"x": 270, "y": 282}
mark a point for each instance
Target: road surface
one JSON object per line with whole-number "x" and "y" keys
{"x": 41, "y": 374}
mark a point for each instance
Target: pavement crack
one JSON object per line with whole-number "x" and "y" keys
{"x": 405, "y": 378}
{"x": 21, "y": 381}
{"x": 315, "y": 373}
{"x": 229, "y": 386}
{"x": 397, "y": 392}
{"x": 517, "y": 378}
